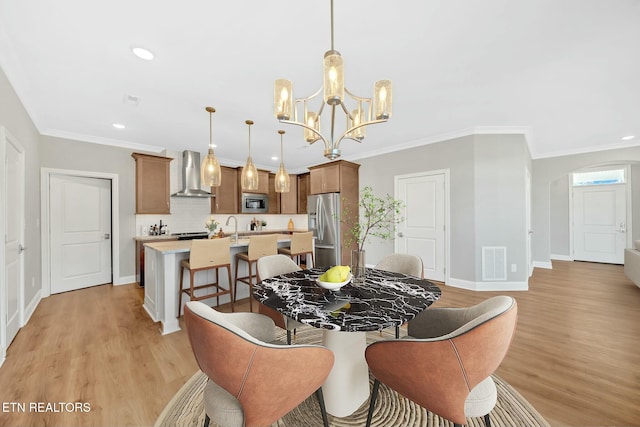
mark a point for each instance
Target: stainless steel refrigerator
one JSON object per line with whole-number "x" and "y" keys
{"x": 324, "y": 220}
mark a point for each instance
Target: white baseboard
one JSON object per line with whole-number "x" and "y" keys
{"x": 561, "y": 257}
{"x": 488, "y": 286}
{"x": 543, "y": 264}
{"x": 3, "y": 356}
{"x": 31, "y": 307}
{"x": 126, "y": 280}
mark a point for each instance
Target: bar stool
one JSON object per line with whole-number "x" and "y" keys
{"x": 259, "y": 246}
{"x": 207, "y": 254}
{"x": 301, "y": 244}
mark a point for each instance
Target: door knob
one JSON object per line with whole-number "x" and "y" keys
{"x": 20, "y": 248}
{"x": 400, "y": 234}
{"x": 107, "y": 236}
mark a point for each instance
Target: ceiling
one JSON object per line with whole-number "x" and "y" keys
{"x": 562, "y": 72}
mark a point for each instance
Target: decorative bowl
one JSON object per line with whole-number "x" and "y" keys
{"x": 332, "y": 286}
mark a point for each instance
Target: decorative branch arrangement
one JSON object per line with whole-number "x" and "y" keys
{"x": 376, "y": 216}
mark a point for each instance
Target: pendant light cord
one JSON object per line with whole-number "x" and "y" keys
{"x": 331, "y": 24}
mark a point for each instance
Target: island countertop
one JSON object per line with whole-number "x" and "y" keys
{"x": 178, "y": 246}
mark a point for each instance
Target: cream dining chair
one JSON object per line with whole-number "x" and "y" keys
{"x": 259, "y": 246}
{"x": 207, "y": 254}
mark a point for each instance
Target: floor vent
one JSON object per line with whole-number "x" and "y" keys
{"x": 494, "y": 263}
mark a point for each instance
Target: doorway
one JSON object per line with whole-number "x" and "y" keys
{"x": 13, "y": 228}
{"x": 600, "y": 211}
{"x": 79, "y": 267}
{"x": 424, "y": 229}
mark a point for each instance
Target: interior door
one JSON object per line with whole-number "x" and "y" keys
{"x": 599, "y": 223}
{"x": 422, "y": 232}
{"x": 80, "y": 223}
{"x": 13, "y": 298}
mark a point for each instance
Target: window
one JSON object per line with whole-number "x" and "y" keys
{"x": 599, "y": 177}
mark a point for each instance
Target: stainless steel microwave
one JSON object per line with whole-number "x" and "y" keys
{"x": 255, "y": 203}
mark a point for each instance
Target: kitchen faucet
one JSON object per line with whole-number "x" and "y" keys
{"x": 235, "y": 221}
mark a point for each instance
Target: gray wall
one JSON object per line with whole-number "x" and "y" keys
{"x": 550, "y": 213}
{"x": 486, "y": 196}
{"x": 82, "y": 156}
{"x": 14, "y": 117}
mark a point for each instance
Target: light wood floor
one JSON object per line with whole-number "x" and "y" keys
{"x": 575, "y": 355}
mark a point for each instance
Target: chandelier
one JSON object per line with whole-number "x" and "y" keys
{"x": 365, "y": 111}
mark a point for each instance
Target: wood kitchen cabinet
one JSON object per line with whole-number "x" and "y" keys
{"x": 274, "y": 198}
{"x": 303, "y": 192}
{"x": 263, "y": 181}
{"x": 333, "y": 177}
{"x": 283, "y": 203}
{"x": 289, "y": 201}
{"x": 226, "y": 195}
{"x": 152, "y": 184}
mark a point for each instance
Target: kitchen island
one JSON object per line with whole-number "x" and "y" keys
{"x": 162, "y": 275}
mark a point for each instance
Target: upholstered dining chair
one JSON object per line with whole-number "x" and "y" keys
{"x": 275, "y": 265}
{"x": 259, "y": 246}
{"x": 402, "y": 263}
{"x": 252, "y": 383}
{"x": 446, "y": 362}
{"x": 206, "y": 254}
{"x": 301, "y": 244}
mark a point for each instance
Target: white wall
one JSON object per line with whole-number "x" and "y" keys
{"x": 14, "y": 117}
{"x": 486, "y": 199}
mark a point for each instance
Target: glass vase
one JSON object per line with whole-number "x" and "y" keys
{"x": 358, "y": 265}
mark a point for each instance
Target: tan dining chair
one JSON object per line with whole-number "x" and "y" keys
{"x": 404, "y": 264}
{"x": 207, "y": 254}
{"x": 275, "y": 265}
{"x": 301, "y": 244}
{"x": 446, "y": 362}
{"x": 259, "y": 246}
{"x": 252, "y": 383}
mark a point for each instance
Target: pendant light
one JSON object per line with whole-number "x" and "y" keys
{"x": 282, "y": 177}
{"x": 249, "y": 179}
{"x": 210, "y": 172}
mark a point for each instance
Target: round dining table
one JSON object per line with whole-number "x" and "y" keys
{"x": 382, "y": 300}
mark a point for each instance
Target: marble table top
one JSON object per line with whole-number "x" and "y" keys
{"x": 383, "y": 300}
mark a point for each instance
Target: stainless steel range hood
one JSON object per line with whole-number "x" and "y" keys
{"x": 191, "y": 176}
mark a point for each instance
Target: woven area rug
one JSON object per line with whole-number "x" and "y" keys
{"x": 186, "y": 409}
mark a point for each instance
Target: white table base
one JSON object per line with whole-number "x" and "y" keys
{"x": 347, "y": 386}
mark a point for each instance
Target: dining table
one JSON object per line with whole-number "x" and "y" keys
{"x": 379, "y": 300}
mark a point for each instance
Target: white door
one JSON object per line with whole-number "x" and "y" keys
{"x": 422, "y": 232}
{"x": 80, "y": 224}
{"x": 14, "y": 237}
{"x": 599, "y": 223}
{"x": 528, "y": 215}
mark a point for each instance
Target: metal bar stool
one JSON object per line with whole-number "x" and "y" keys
{"x": 259, "y": 246}
{"x": 207, "y": 254}
{"x": 301, "y": 244}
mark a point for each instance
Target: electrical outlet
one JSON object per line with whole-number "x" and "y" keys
{"x": 514, "y": 268}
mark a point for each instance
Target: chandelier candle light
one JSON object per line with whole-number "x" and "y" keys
{"x": 210, "y": 172}
{"x": 249, "y": 172}
{"x": 282, "y": 176}
{"x": 366, "y": 112}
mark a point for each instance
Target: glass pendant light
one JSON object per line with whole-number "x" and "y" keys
{"x": 282, "y": 177}
{"x": 210, "y": 172}
{"x": 249, "y": 179}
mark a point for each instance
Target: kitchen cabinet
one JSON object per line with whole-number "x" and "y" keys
{"x": 263, "y": 182}
{"x": 289, "y": 200}
{"x": 226, "y": 195}
{"x": 333, "y": 177}
{"x": 152, "y": 184}
{"x": 283, "y": 203}
{"x": 303, "y": 192}
{"x": 274, "y": 198}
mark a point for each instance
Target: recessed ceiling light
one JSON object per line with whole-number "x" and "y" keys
{"x": 118, "y": 126}
{"x": 627, "y": 138}
{"x": 143, "y": 53}
{"x": 274, "y": 157}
